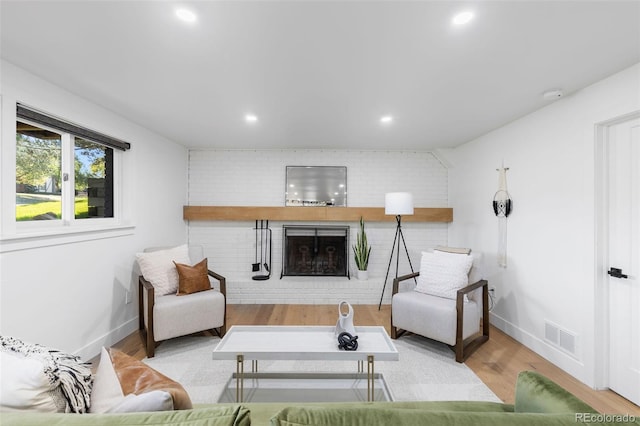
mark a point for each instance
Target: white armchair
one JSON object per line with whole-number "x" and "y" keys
{"x": 163, "y": 313}
{"x": 453, "y": 311}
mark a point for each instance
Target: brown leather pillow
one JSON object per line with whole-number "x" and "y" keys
{"x": 137, "y": 377}
{"x": 192, "y": 279}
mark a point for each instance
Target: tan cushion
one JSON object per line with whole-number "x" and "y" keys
{"x": 192, "y": 279}
{"x": 137, "y": 377}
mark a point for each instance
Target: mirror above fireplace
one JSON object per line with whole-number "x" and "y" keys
{"x": 316, "y": 186}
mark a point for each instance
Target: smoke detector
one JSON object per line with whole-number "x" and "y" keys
{"x": 552, "y": 94}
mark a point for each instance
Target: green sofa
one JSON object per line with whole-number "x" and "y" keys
{"x": 539, "y": 401}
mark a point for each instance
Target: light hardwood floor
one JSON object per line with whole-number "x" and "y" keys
{"x": 497, "y": 362}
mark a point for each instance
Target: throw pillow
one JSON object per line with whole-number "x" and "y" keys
{"x": 536, "y": 393}
{"x": 106, "y": 392}
{"x": 136, "y": 377}
{"x": 35, "y": 377}
{"x": 443, "y": 274}
{"x": 192, "y": 279}
{"x": 157, "y": 267}
{"x": 454, "y": 250}
{"x": 24, "y": 386}
{"x": 148, "y": 401}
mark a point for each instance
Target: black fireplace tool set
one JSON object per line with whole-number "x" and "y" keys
{"x": 263, "y": 251}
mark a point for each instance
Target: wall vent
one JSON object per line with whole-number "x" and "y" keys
{"x": 568, "y": 341}
{"x": 560, "y": 338}
{"x": 551, "y": 333}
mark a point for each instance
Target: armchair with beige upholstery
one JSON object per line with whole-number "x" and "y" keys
{"x": 165, "y": 313}
{"x": 456, "y": 314}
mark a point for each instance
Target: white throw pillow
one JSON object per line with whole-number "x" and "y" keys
{"x": 475, "y": 273}
{"x": 107, "y": 392}
{"x": 24, "y": 386}
{"x": 158, "y": 268}
{"x": 36, "y": 377}
{"x": 156, "y": 400}
{"x": 443, "y": 274}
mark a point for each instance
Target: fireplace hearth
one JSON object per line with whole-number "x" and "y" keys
{"x": 315, "y": 251}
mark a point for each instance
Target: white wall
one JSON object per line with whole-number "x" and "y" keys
{"x": 70, "y": 292}
{"x": 257, "y": 178}
{"x": 551, "y": 236}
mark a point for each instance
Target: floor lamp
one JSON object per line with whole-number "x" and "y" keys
{"x": 398, "y": 204}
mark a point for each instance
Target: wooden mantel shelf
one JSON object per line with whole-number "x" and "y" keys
{"x": 333, "y": 214}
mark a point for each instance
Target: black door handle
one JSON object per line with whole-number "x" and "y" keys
{"x": 616, "y": 273}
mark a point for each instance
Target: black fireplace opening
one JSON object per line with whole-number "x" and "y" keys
{"x": 315, "y": 251}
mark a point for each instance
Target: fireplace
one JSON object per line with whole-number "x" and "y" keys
{"x": 315, "y": 251}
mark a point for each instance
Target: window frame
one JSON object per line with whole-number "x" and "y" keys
{"x": 19, "y": 235}
{"x": 68, "y": 188}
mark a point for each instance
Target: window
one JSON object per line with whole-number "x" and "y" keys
{"x": 93, "y": 178}
{"x": 38, "y": 167}
{"x": 64, "y": 173}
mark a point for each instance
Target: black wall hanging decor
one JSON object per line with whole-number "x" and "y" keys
{"x": 502, "y": 207}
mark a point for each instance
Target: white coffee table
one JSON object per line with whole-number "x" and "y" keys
{"x": 302, "y": 343}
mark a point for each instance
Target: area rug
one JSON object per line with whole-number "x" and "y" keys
{"x": 427, "y": 370}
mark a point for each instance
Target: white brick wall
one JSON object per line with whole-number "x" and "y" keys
{"x": 257, "y": 178}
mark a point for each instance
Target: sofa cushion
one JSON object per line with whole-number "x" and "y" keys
{"x": 261, "y": 413}
{"x": 137, "y": 377}
{"x": 537, "y": 394}
{"x": 235, "y": 415}
{"x": 338, "y": 416}
{"x": 158, "y": 268}
{"x": 35, "y": 377}
{"x": 374, "y": 415}
{"x": 192, "y": 279}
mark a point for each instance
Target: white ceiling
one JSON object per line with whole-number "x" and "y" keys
{"x": 320, "y": 74}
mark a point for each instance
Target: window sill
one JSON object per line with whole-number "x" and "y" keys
{"x": 46, "y": 238}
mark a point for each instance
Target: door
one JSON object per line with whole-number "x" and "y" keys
{"x": 623, "y": 140}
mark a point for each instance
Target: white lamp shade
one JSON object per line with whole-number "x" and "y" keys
{"x": 398, "y": 203}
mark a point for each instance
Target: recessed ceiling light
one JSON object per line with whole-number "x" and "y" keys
{"x": 462, "y": 18}
{"x": 250, "y": 118}
{"x": 387, "y": 119}
{"x": 186, "y": 15}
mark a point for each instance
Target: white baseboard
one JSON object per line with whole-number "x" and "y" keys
{"x": 93, "y": 349}
{"x": 562, "y": 360}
